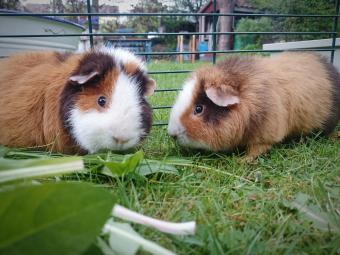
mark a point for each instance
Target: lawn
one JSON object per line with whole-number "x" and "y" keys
{"x": 239, "y": 208}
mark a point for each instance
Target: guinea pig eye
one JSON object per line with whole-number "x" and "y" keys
{"x": 102, "y": 101}
{"x": 198, "y": 109}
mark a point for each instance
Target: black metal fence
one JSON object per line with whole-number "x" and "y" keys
{"x": 332, "y": 34}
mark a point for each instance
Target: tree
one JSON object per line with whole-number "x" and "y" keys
{"x": 192, "y": 6}
{"x": 146, "y": 23}
{"x": 57, "y": 6}
{"x": 299, "y": 24}
{"x": 225, "y": 23}
{"x": 10, "y": 4}
{"x": 110, "y": 25}
{"x": 252, "y": 41}
{"x": 75, "y": 6}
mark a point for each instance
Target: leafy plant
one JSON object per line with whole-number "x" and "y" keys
{"x": 67, "y": 217}
{"x": 300, "y": 24}
{"x": 53, "y": 218}
{"x": 252, "y": 41}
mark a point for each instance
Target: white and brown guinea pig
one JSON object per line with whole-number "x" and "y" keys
{"x": 74, "y": 102}
{"x": 254, "y": 102}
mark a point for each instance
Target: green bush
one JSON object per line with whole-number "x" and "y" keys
{"x": 251, "y": 41}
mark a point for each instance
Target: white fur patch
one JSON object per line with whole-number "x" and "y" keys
{"x": 175, "y": 128}
{"x": 95, "y": 130}
{"x": 124, "y": 56}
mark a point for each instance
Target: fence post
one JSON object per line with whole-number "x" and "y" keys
{"x": 90, "y": 22}
{"x": 214, "y": 30}
{"x": 180, "y": 48}
{"x": 192, "y": 48}
{"x": 335, "y": 28}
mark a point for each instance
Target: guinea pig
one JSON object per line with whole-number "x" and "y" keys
{"x": 74, "y": 103}
{"x": 253, "y": 102}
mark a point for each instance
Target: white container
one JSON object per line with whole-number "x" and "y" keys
{"x": 310, "y": 44}
{"x": 26, "y": 25}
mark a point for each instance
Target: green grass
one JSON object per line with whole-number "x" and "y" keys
{"x": 239, "y": 208}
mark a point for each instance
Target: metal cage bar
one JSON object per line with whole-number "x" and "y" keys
{"x": 335, "y": 28}
{"x": 89, "y": 17}
{"x": 214, "y": 31}
{"x": 181, "y": 14}
{"x": 91, "y": 34}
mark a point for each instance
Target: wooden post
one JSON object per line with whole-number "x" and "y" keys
{"x": 201, "y": 27}
{"x": 192, "y": 48}
{"x": 180, "y": 48}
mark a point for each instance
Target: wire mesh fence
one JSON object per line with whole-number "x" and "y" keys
{"x": 214, "y": 33}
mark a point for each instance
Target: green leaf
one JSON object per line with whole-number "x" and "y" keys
{"x": 128, "y": 165}
{"x": 59, "y": 218}
{"x": 17, "y": 169}
{"x": 94, "y": 250}
{"x": 104, "y": 247}
{"x": 150, "y": 167}
{"x": 116, "y": 164}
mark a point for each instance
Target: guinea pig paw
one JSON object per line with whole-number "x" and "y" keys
{"x": 253, "y": 151}
{"x": 247, "y": 159}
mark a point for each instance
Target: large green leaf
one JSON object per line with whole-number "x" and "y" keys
{"x": 59, "y": 218}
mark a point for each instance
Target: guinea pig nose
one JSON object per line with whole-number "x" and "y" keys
{"x": 119, "y": 140}
{"x": 174, "y": 137}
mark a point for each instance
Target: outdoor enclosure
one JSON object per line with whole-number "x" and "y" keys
{"x": 286, "y": 201}
{"x": 172, "y": 88}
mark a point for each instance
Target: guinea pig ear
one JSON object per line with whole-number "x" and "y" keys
{"x": 81, "y": 79}
{"x": 150, "y": 87}
{"x": 222, "y": 98}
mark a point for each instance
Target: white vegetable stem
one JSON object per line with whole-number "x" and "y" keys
{"x": 53, "y": 167}
{"x": 147, "y": 245}
{"x": 185, "y": 228}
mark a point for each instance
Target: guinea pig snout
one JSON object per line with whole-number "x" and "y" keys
{"x": 119, "y": 140}
{"x": 176, "y": 133}
{"x": 173, "y": 136}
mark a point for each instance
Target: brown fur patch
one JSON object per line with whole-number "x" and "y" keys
{"x": 88, "y": 97}
{"x": 31, "y": 85}
{"x": 130, "y": 68}
{"x": 62, "y": 56}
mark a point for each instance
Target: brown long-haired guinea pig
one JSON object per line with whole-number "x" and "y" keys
{"x": 74, "y": 102}
{"x": 254, "y": 102}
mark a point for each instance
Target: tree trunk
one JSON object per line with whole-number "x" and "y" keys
{"x": 224, "y": 24}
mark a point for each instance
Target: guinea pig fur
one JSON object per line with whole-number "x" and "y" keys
{"x": 254, "y": 102}
{"x": 74, "y": 102}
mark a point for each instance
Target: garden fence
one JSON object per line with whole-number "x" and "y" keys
{"x": 214, "y": 34}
